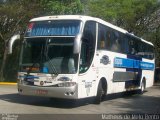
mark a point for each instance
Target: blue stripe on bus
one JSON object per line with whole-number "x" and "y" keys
{"x": 29, "y": 77}
{"x": 136, "y": 69}
{"x": 146, "y": 65}
{"x": 132, "y": 63}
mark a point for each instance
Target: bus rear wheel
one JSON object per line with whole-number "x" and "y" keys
{"x": 100, "y": 94}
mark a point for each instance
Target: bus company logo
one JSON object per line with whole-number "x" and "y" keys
{"x": 118, "y": 61}
{"x": 105, "y": 60}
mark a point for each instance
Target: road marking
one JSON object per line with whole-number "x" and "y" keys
{"x": 7, "y": 83}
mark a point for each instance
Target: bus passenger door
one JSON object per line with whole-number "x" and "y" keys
{"x": 87, "y": 70}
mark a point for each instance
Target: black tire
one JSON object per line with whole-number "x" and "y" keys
{"x": 54, "y": 100}
{"x": 100, "y": 94}
{"x": 128, "y": 93}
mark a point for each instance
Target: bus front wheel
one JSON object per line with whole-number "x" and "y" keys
{"x": 100, "y": 93}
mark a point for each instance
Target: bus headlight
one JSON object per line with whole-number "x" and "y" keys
{"x": 66, "y": 84}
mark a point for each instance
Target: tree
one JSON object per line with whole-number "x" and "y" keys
{"x": 14, "y": 16}
{"x": 140, "y": 17}
{"x": 63, "y": 7}
{"x": 128, "y": 14}
{"x": 153, "y": 33}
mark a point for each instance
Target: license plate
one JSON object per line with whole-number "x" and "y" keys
{"x": 41, "y": 92}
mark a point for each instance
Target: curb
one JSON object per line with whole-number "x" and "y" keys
{"x": 7, "y": 83}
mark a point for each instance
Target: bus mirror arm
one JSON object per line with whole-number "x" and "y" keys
{"x": 77, "y": 44}
{"x": 11, "y": 42}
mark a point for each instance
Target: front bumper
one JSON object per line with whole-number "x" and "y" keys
{"x": 56, "y": 92}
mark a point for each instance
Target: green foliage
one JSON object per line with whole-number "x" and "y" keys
{"x": 128, "y": 14}
{"x": 62, "y": 7}
{"x": 138, "y": 16}
{"x": 15, "y": 14}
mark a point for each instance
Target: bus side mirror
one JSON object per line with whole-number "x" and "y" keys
{"x": 77, "y": 44}
{"x": 11, "y": 42}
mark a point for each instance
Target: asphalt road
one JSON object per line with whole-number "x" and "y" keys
{"x": 11, "y": 103}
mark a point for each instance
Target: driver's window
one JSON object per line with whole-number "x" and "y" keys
{"x": 88, "y": 46}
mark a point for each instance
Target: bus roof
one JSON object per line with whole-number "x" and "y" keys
{"x": 141, "y": 39}
{"x": 85, "y": 18}
{"x": 77, "y": 17}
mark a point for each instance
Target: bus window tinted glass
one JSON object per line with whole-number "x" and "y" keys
{"x": 88, "y": 46}
{"x": 145, "y": 50}
{"x": 103, "y": 37}
{"x": 53, "y": 28}
{"x": 115, "y": 41}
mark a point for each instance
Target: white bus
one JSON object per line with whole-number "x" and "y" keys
{"x": 74, "y": 57}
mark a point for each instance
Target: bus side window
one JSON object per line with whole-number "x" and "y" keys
{"x": 134, "y": 46}
{"x": 108, "y": 45}
{"x": 131, "y": 47}
{"x": 88, "y": 46}
{"x": 124, "y": 44}
{"x": 151, "y": 52}
{"x": 102, "y": 37}
{"x": 148, "y": 52}
{"x": 116, "y": 43}
{"x": 141, "y": 49}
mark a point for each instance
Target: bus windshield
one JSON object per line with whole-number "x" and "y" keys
{"x": 53, "y": 28}
{"x": 54, "y": 54}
